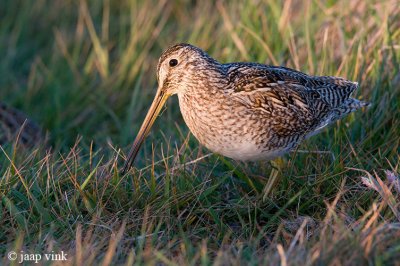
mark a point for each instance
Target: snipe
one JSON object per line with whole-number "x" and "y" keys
{"x": 245, "y": 111}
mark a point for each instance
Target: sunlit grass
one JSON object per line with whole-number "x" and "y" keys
{"x": 85, "y": 71}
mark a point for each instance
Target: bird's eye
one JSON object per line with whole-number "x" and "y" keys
{"x": 173, "y": 62}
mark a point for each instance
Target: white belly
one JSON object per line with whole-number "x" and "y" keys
{"x": 246, "y": 151}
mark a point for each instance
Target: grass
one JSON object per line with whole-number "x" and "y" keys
{"x": 85, "y": 70}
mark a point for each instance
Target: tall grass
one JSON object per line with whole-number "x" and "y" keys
{"x": 85, "y": 70}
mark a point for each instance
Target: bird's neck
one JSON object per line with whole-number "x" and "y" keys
{"x": 203, "y": 90}
{"x": 207, "y": 79}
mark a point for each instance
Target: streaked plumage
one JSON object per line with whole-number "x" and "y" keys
{"x": 14, "y": 123}
{"x": 246, "y": 111}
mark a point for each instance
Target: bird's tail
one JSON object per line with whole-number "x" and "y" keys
{"x": 348, "y": 106}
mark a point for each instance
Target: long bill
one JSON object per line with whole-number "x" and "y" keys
{"x": 155, "y": 108}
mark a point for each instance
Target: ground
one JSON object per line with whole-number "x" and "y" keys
{"x": 86, "y": 72}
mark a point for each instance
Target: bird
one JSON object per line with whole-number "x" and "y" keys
{"x": 16, "y": 126}
{"x": 245, "y": 111}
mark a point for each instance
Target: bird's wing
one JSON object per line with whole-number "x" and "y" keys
{"x": 297, "y": 103}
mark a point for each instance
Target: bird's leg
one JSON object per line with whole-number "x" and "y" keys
{"x": 276, "y": 164}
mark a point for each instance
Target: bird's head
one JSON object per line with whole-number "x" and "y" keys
{"x": 178, "y": 68}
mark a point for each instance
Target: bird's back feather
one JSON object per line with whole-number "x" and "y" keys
{"x": 305, "y": 103}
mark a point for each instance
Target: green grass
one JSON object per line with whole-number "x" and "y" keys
{"x": 86, "y": 72}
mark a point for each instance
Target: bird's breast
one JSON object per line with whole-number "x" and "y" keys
{"x": 225, "y": 127}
